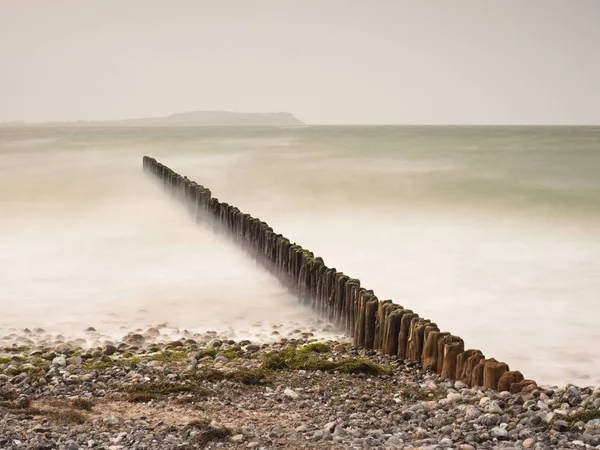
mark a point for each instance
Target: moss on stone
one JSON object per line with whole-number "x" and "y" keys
{"x": 99, "y": 365}
{"x": 15, "y": 404}
{"x": 210, "y": 375}
{"x": 292, "y": 359}
{"x": 316, "y": 347}
{"x": 421, "y": 394}
{"x": 32, "y": 372}
{"x": 208, "y": 352}
{"x": 585, "y": 416}
{"x": 363, "y": 366}
{"x": 231, "y": 354}
{"x": 170, "y": 356}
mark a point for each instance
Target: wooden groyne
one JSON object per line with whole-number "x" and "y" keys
{"x": 372, "y": 323}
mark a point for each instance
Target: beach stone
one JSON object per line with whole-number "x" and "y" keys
{"x": 393, "y": 440}
{"x": 472, "y": 413}
{"x": 592, "y": 425}
{"x": 62, "y": 348}
{"x": 499, "y": 433}
{"x": 135, "y": 339}
{"x": 528, "y": 443}
{"x": 420, "y": 433}
{"x": 290, "y": 393}
{"x": 452, "y": 397}
{"x": 60, "y": 360}
{"x": 494, "y": 408}
{"x": 75, "y": 361}
{"x": 152, "y": 332}
{"x": 109, "y": 349}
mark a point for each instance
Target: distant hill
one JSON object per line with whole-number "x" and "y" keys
{"x": 192, "y": 119}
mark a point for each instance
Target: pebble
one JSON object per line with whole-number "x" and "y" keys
{"x": 109, "y": 350}
{"x": 290, "y": 393}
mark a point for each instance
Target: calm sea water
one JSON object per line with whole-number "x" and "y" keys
{"x": 491, "y": 232}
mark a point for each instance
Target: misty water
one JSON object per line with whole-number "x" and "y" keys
{"x": 491, "y": 232}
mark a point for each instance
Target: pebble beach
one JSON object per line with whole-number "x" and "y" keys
{"x": 167, "y": 388}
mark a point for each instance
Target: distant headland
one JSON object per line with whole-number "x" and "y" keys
{"x": 191, "y": 119}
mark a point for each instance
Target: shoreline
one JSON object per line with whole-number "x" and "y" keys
{"x": 151, "y": 391}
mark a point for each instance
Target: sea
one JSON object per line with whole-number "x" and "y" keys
{"x": 493, "y": 233}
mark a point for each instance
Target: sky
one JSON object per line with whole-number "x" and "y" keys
{"x": 327, "y": 62}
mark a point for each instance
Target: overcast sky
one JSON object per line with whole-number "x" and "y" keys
{"x": 326, "y": 61}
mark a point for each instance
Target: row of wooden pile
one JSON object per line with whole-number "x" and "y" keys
{"x": 374, "y": 324}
